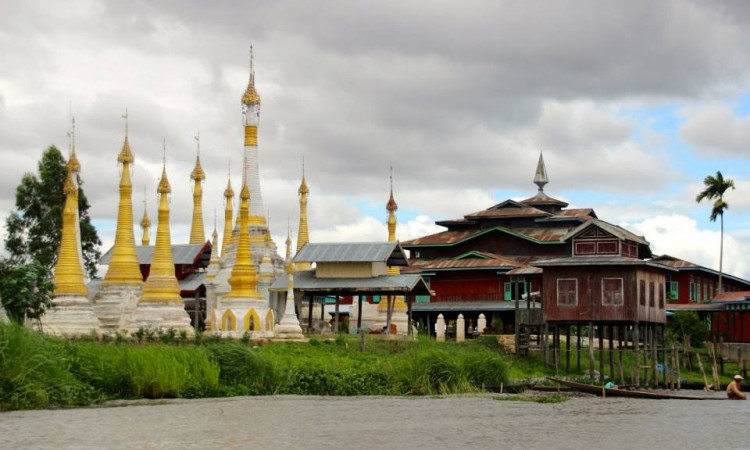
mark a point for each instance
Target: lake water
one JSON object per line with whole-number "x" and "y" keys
{"x": 454, "y": 422}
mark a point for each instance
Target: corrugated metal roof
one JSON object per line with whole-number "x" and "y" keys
{"x": 468, "y": 306}
{"x": 305, "y": 280}
{"x": 507, "y": 209}
{"x": 192, "y": 282}
{"x": 386, "y": 252}
{"x": 539, "y": 235}
{"x": 600, "y": 261}
{"x": 181, "y": 254}
{"x": 737, "y": 296}
{"x": 543, "y": 199}
{"x": 612, "y": 229}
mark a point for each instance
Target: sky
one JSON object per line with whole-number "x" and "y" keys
{"x": 631, "y": 103}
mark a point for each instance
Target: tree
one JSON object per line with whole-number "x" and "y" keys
{"x": 25, "y": 290}
{"x": 34, "y": 229}
{"x": 716, "y": 187}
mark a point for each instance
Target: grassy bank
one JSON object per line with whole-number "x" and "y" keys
{"x": 39, "y": 371}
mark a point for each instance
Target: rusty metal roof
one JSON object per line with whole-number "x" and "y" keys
{"x": 612, "y": 229}
{"x": 737, "y": 296}
{"x": 507, "y": 209}
{"x": 543, "y": 199}
{"x": 674, "y": 262}
{"x": 538, "y": 235}
{"x": 600, "y": 261}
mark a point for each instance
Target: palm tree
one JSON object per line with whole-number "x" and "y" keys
{"x": 716, "y": 186}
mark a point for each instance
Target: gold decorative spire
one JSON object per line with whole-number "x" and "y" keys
{"x": 303, "y": 235}
{"x": 145, "y": 222}
{"x": 197, "y": 234}
{"x": 69, "y": 278}
{"x": 228, "y": 199}
{"x": 251, "y": 97}
{"x": 73, "y": 165}
{"x": 161, "y": 285}
{"x": 391, "y": 207}
{"x": 213, "y": 264}
{"x": 123, "y": 267}
{"x": 244, "y": 279}
{"x": 289, "y": 262}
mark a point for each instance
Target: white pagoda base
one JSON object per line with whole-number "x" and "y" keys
{"x": 72, "y": 315}
{"x": 114, "y": 304}
{"x": 160, "y": 316}
{"x": 238, "y": 311}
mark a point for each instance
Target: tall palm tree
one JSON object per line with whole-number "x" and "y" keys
{"x": 716, "y": 186}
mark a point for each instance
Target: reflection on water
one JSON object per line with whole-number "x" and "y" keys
{"x": 466, "y": 422}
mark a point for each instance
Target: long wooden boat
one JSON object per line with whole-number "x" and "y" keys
{"x": 612, "y": 392}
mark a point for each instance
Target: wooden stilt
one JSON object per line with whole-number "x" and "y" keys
{"x": 601, "y": 351}
{"x": 567, "y": 348}
{"x": 654, "y": 356}
{"x": 620, "y": 350}
{"x": 636, "y": 355}
{"x": 591, "y": 352}
{"x": 578, "y": 347}
{"x": 611, "y": 353}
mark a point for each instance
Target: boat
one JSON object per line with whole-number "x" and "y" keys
{"x": 633, "y": 393}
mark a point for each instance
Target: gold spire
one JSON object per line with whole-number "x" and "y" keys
{"x": 69, "y": 278}
{"x": 289, "y": 262}
{"x": 123, "y": 267}
{"x": 73, "y": 165}
{"x": 145, "y": 222}
{"x": 228, "y": 198}
{"x": 303, "y": 235}
{"x": 251, "y": 97}
{"x": 161, "y": 285}
{"x": 391, "y": 207}
{"x": 197, "y": 235}
{"x": 213, "y": 264}
{"x": 244, "y": 279}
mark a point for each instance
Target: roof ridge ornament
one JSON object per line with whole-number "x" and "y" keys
{"x": 540, "y": 176}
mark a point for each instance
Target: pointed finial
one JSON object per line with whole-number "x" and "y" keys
{"x": 391, "y": 205}
{"x": 251, "y": 97}
{"x": 125, "y": 116}
{"x": 198, "y": 140}
{"x": 164, "y": 154}
{"x": 540, "y": 176}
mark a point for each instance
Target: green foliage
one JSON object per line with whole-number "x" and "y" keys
{"x": 152, "y": 371}
{"x": 34, "y": 229}
{"x": 244, "y": 369}
{"x": 25, "y": 290}
{"x": 34, "y": 372}
{"x": 687, "y": 323}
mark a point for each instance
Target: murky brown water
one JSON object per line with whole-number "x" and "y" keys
{"x": 466, "y": 422}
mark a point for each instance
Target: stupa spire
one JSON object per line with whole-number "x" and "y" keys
{"x": 244, "y": 279}
{"x": 145, "y": 222}
{"x": 391, "y": 207}
{"x": 69, "y": 277}
{"x": 161, "y": 285}
{"x": 73, "y": 167}
{"x": 228, "y": 213}
{"x": 303, "y": 235}
{"x": 251, "y": 171}
{"x": 123, "y": 267}
{"x": 213, "y": 264}
{"x": 197, "y": 234}
{"x": 540, "y": 176}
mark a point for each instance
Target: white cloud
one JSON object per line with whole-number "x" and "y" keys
{"x": 716, "y": 130}
{"x": 679, "y": 236}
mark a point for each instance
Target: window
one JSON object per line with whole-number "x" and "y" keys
{"x": 651, "y": 294}
{"x": 509, "y": 289}
{"x": 567, "y": 291}
{"x": 612, "y": 291}
{"x": 693, "y": 290}
{"x": 606, "y": 248}
{"x": 673, "y": 290}
{"x": 642, "y": 292}
{"x": 705, "y": 291}
{"x": 585, "y": 248}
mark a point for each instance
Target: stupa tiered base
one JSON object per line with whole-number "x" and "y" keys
{"x": 72, "y": 315}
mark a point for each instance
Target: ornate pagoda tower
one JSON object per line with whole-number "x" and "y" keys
{"x": 120, "y": 290}
{"x": 243, "y": 308}
{"x": 73, "y": 313}
{"x": 213, "y": 264}
{"x": 289, "y": 327}
{"x": 303, "y": 235}
{"x": 256, "y": 224}
{"x": 398, "y": 314}
{"x": 197, "y": 235}
{"x": 228, "y": 214}
{"x": 160, "y": 305}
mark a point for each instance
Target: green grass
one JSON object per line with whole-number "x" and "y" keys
{"x": 38, "y": 371}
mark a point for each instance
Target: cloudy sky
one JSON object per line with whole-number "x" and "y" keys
{"x": 632, "y": 103}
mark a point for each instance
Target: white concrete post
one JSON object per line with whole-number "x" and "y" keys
{"x": 460, "y": 329}
{"x": 440, "y": 329}
{"x": 481, "y": 323}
